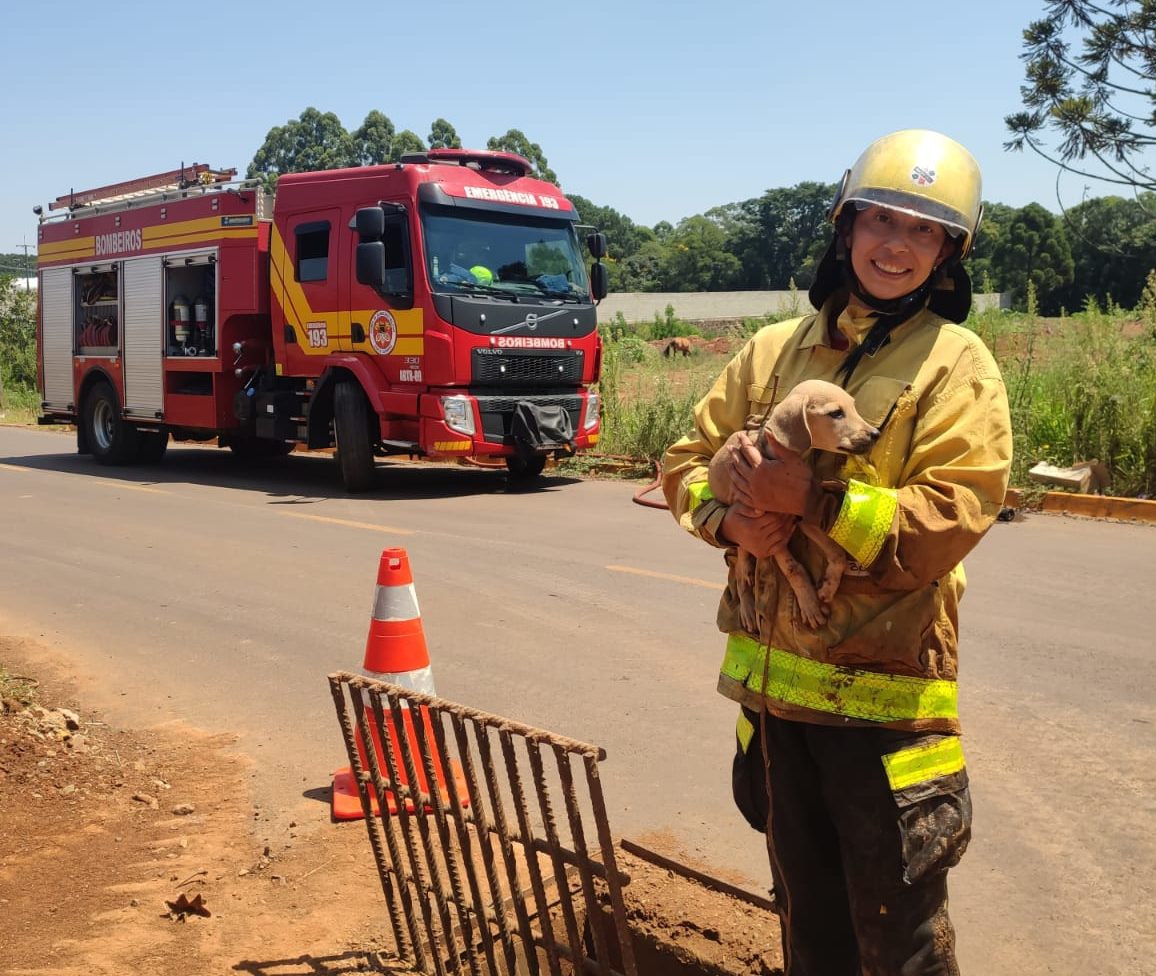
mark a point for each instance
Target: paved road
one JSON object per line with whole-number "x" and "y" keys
{"x": 220, "y": 595}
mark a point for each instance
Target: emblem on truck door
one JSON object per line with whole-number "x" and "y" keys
{"x": 382, "y": 332}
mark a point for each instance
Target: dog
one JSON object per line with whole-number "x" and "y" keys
{"x": 815, "y": 414}
{"x": 679, "y": 344}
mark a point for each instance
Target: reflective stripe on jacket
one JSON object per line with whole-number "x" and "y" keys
{"x": 907, "y": 513}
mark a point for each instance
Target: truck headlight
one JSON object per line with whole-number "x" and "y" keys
{"x": 459, "y": 414}
{"x": 590, "y": 421}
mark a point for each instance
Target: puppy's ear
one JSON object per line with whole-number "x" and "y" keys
{"x": 788, "y": 424}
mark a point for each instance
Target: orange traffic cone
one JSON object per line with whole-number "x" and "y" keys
{"x": 396, "y": 652}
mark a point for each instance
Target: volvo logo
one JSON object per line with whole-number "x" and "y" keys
{"x": 529, "y": 322}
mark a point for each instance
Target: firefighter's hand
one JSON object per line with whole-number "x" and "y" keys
{"x": 738, "y": 451}
{"x": 773, "y": 486}
{"x": 759, "y": 533}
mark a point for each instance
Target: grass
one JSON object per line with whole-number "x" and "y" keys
{"x": 1081, "y": 387}
{"x": 19, "y": 405}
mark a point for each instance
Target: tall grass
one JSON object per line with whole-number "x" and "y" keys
{"x": 19, "y": 404}
{"x": 1080, "y": 389}
{"x": 644, "y": 410}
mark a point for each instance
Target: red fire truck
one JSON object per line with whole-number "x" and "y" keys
{"x": 436, "y": 307}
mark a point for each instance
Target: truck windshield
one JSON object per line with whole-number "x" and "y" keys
{"x": 509, "y": 257}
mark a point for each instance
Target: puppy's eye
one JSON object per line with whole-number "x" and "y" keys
{"x": 837, "y": 414}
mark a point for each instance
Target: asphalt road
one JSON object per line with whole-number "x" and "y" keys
{"x": 220, "y": 594}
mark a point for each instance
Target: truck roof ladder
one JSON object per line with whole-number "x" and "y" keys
{"x": 198, "y": 175}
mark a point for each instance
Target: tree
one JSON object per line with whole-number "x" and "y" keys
{"x": 1113, "y": 249}
{"x": 1096, "y": 101}
{"x": 781, "y": 235}
{"x": 1035, "y": 249}
{"x": 997, "y": 217}
{"x": 516, "y": 142}
{"x": 373, "y": 140}
{"x": 623, "y": 236}
{"x": 315, "y": 141}
{"x": 697, "y": 258}
{"x": 442, "y": 135}
{"x": 17, "y": 335}
{"x": 404, "y": 142}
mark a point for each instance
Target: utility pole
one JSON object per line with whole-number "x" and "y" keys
{"x": 26, "y": 245}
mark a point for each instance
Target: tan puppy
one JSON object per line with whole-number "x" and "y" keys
{"x": 815, "y": 414}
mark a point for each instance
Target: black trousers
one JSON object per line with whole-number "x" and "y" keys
{"x": 860, "y": 871}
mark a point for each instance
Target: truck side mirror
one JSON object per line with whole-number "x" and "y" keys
{"x": 371, "y": 260}
{"x": 599, "y": 281}
{"x": 597, "y": 245}
{"x": 370, "y": 224}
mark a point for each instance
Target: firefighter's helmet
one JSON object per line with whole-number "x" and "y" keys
{"x": 922, "y": 173}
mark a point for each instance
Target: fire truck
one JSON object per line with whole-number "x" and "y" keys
{"x": 438, "y": 307}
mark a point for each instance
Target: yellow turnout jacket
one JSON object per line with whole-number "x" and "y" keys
{"x": 907, "y": 514}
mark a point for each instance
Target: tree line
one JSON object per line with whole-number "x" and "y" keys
{"x": 1102, "y": 248}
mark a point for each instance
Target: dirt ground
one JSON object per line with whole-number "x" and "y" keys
{"x": 104, "y": 831}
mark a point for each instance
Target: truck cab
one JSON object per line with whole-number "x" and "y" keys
{"x": 445, "y": 299}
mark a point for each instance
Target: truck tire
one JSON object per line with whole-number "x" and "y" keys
{"x": 110, "y": 439}
{"x": 524, "y": 469}
{"x": 152, "y": 445}
{"x": 351, "y": 430}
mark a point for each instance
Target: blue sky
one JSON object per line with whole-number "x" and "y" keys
{"x": 658, "y": 109}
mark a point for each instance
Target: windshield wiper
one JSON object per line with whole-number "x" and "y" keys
{"x": 488, "y": 291}
{"x": 565, "y": 296}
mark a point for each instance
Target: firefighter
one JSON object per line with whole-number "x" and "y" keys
{"x": 848, "y": 753}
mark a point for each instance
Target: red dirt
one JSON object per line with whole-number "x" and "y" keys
{"x": 102, "y": 830}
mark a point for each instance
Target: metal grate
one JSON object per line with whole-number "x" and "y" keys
{"x": 484, "y": 881}
{"x": 513, "y": 368}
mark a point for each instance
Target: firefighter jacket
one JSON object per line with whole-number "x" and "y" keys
{"x": 907, "y": 514}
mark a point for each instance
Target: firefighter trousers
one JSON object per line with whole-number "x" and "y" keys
{"x": 859, "y": 867}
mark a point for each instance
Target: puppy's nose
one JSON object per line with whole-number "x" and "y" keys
{"x": 873, "y": 434}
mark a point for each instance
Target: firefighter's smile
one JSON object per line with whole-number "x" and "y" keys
{"x": 889, "y": 270}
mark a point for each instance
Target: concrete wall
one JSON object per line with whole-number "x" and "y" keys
{"x": 700, "y": 306}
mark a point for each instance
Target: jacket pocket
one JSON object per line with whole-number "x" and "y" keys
{"x": 885, "y": 629}
{"x": 879, "y": 398}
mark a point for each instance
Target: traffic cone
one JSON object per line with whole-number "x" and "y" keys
{"x": 396, "y": 652}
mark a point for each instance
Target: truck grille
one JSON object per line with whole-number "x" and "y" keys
{"x": 563, "y": 368}
{"x": 497, "y": 411}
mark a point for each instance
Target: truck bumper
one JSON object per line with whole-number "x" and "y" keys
{"x": 491, "y": 420}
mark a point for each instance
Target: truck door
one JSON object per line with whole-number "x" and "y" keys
{"x": 144, "y": 334}
{"x": 56, "y": 310}
{"x": 389, "y": 331}
{"x": 310, "y": 282}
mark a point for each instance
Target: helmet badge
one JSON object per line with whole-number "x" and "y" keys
{"x": 922, "y": 175}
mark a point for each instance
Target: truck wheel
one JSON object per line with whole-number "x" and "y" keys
{"x": 152, "y": 446}
{"x": 351, "y": 431}
{"x": 525, "y": 469}
{"x": 111, "y": 440}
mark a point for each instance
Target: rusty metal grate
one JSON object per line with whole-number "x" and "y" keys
{"x": 484, "y": 881}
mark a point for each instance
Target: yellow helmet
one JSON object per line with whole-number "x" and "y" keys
{"x": 922, "y": 173}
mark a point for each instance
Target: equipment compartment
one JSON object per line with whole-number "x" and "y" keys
{"x": 191, "y": 294}
{"x": 97, "y": 318}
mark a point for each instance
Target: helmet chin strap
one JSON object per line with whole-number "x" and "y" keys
{"x": 892, "y": 312}
{"x": 903, "y": 307}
